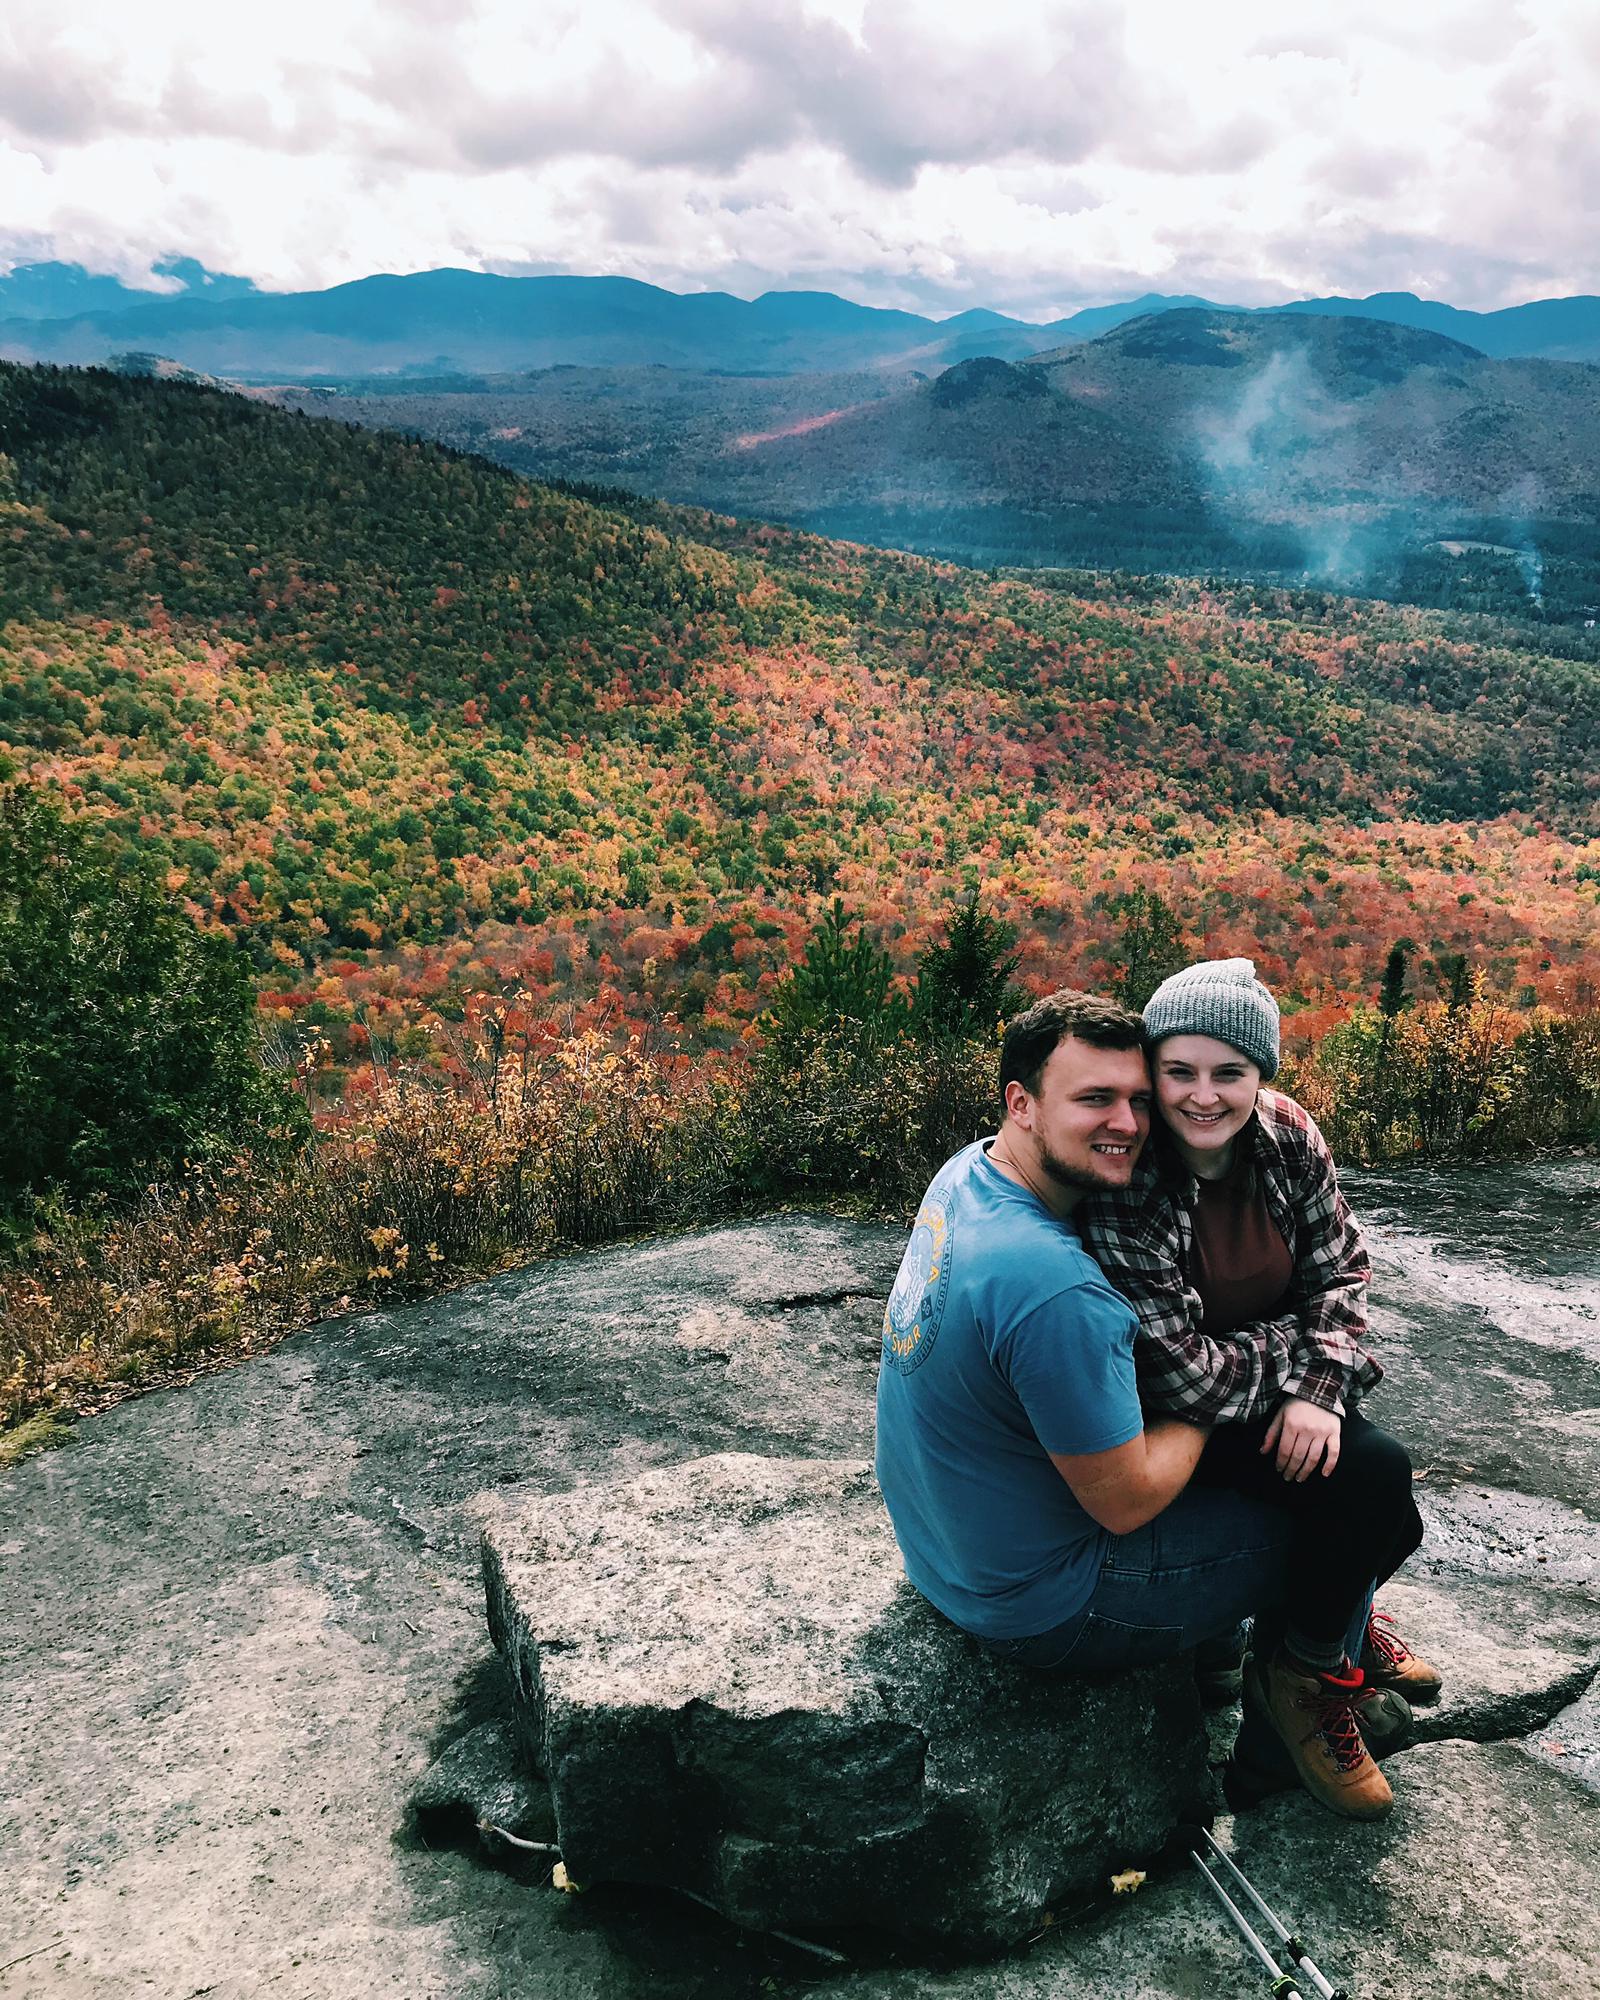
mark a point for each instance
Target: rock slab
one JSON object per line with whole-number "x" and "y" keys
{"x": 1513, "y": 1654}
{"x": 482, "y": 1781}
{"x": 731, "y": 1689}
{"x": 1485, "y": 1880}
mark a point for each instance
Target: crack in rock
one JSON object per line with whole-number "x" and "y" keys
{"x": 1516, "y": 1645}
{"x": 798, "y": 1301}
{"x": 1571, "y": 1740}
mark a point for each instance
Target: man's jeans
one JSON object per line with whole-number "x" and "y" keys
{"x": 1191, "y": 1576}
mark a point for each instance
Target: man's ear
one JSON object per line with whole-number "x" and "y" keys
{"x": 1019, "y": 1104}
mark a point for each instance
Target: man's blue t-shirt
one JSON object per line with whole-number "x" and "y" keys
{"x": 1002, "y": 1343}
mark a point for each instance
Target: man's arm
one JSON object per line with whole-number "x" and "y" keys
{"x": 1132, "y": 1483}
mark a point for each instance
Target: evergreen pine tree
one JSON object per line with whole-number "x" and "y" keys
{"x": 1149, "y": 946}
{"x": 844, "y": 984}
{"x": 964, "y": 984}
{"x": 1392, "y": 997}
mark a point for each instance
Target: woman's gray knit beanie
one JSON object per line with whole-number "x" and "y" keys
{"x": 1223, "y": 998}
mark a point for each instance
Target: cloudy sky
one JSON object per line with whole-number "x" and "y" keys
{"x": 1032, "y": 155}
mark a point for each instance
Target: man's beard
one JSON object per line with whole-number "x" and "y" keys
{"x": 1073, "y": 1177}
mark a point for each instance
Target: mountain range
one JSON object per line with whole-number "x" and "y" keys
{"x": 1282, "y": 419}
{"x": 450, "y": 321}
{"x": 1344, "y": 449}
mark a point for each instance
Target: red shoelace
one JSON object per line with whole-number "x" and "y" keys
{"x": 1389, "y": 1646}
{"x": 1334, "y": 1713}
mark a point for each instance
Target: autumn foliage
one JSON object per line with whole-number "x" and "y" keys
{"x": 410, "y": 730}
{"x": 494, "y": 784}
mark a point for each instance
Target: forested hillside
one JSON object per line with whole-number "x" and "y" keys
{"x": 410, "y": 727}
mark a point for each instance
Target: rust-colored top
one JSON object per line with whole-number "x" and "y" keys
{"x": 1241, "y": 1265}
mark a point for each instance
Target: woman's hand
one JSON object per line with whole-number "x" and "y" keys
{"x": 1304, "y": 1434}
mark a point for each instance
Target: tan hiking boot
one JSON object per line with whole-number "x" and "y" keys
{"x": 1388, "y": 1662}
{"x": 1384, "y": 1719}
{"x": 1315, "y": 1717}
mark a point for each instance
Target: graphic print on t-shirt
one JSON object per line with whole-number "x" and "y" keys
{"x": 911, "y": 1319}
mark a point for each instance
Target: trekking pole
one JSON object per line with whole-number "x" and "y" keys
{"x": 1294, "y": 1946}
{"x": 1282, "y": 1983}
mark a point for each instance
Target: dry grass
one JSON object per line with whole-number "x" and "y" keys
{"x": 578, "y": 1142}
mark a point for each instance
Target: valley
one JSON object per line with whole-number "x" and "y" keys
{"x": 1359, "y": 455}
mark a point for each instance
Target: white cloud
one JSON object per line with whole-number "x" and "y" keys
{"x": 1021, "y": 155}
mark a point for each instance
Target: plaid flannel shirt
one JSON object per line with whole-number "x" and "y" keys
{"x": 1142, "y": 1237}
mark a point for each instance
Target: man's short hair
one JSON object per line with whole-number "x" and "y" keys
{"x": 1033, "y": 1037}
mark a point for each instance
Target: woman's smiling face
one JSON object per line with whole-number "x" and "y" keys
{"x": 1206, "y": 1091}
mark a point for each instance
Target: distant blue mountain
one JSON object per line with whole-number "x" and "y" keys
{"x": 1092, "y": 321}
{"x": 63, "y": 291}
{"x": 474, "y": 322}
{"x": 1556, "y": 329}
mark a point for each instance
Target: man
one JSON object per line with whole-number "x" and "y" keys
{"x": 1032, "y": 1503}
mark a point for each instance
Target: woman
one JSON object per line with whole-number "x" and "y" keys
{"x": 1237, "y": 1249}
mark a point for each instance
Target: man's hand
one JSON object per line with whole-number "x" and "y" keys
{"x": 1304, "y": 1434}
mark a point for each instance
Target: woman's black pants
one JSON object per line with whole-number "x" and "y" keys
{"x": 1357, "y": 1525}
